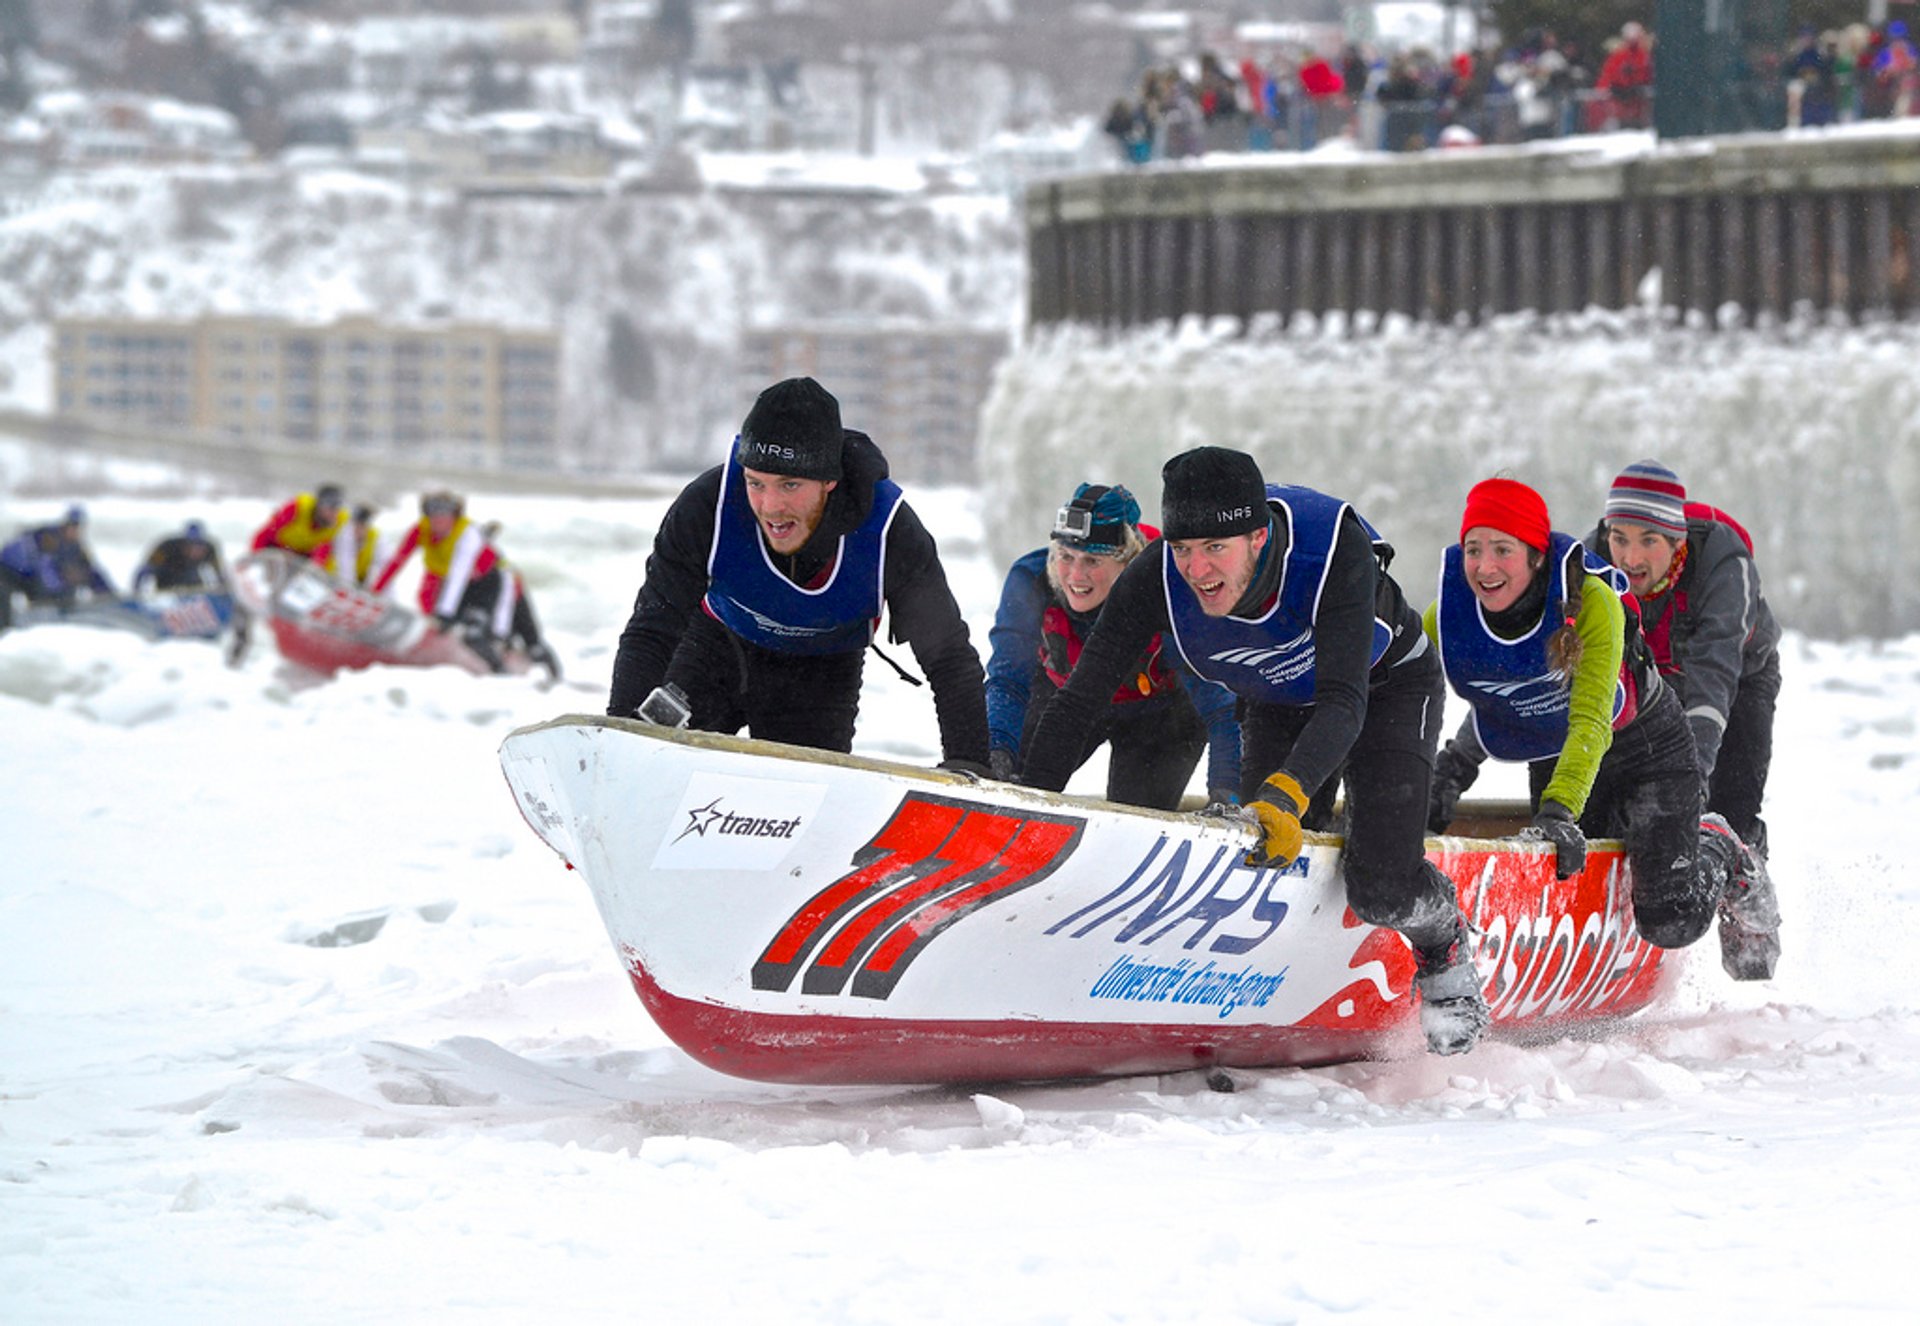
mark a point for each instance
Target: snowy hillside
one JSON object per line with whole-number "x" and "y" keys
{"x": 649, "y": 291}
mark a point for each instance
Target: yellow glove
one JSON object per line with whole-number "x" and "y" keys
{"x": 1277, "y": 812}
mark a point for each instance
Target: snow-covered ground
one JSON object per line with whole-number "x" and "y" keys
{"x": 206, "y": 1116}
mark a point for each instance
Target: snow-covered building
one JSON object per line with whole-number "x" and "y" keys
{"x": 112, "y": 128}
{"x": 460, "y": 393}
{"x": 917, "y": 389}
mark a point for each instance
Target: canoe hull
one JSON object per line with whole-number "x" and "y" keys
{"x": 795, "y": 916}
{"x": 327, "y": 625}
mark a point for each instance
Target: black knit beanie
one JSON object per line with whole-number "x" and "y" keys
{"x": 1211, "y": 492}
{"x": 793, "y": 429}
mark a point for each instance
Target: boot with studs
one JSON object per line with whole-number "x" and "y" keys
{"x": 1453, "y": 1011}
{"x": 1749, "y": 909}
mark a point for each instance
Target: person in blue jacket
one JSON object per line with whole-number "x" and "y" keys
{"x": 1160, "y": 715}
{"x": 50, "y": 564}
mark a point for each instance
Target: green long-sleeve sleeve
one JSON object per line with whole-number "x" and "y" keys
{"x": 1601, "y": 623}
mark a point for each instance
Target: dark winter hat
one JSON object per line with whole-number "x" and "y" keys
{"x": 1510, "y": 507}
{"x": 1211, "y": 492}
{"x": 1096, "y": 519}
{"x": 1648, "y": 493}
{"x": 329, "y": 495}
{"x": 793, "y": 429}
{"x": 76, "y": 515}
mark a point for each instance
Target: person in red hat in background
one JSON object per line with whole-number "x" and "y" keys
{"x": 1540, "y": 638}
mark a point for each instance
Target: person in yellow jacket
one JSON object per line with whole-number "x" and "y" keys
{"x": 361, "y": 550}
{"x": 307, "y": 525}
{"x": 463, "y": 579}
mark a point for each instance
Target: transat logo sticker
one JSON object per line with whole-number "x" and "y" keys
{"x": 934, "y": 863}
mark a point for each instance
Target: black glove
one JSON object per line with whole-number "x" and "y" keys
{"x": 1454, "y": 770}
{"x": 1553, "y": 822}
{"x": 1001, "y": 761}
{"x": 972, "y": 770}
{"x": 444, "y": 622}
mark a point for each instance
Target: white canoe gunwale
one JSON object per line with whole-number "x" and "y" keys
{"x": 802, "y": 916}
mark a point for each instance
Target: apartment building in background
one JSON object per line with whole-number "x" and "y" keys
{"x": 915, "y": 389}
{"x": 457, "y": 394}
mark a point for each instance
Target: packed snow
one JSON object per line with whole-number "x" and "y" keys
{"x": 299, "y": 1022}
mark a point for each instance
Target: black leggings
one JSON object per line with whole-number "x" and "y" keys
{"x": 1388, "y": 773}
{"x": 1155, "y": 745}
{"x": 484, "y": 591}
{"x": 1739, "y": 781}
{"x": 1648, "y": 794}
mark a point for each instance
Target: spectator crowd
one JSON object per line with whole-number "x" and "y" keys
{"x": 1540, "y": 87}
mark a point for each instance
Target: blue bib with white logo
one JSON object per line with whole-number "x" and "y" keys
{"x": 1519, "y": 703}
{"x": 753, "y": 600}
{"x": 1270, "y": 658}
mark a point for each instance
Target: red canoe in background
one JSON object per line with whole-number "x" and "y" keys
{"x": 327, "y": 625}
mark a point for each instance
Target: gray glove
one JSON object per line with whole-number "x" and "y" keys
{"x": 1553, "y": 823}
{"x": 1223, "y": 803}
{"x": 1001, "y": 761}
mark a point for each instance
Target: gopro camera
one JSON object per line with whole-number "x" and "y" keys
{"x": 666, "y": 707}
{"x": 1073, "y": 521}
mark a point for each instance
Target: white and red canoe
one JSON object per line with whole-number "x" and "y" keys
{"x": 798, "y": 916}
{"x": 326, "y": 625}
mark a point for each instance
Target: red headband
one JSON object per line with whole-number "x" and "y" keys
{"x": 1510, "y": 507}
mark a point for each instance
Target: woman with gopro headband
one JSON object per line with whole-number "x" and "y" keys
{"x": 1159, "y": 718}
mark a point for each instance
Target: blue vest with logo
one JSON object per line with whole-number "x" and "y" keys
{"x": 1270, "y": 658}
{"x": 1519, "y": 703}
{"x": 753, "y": 600}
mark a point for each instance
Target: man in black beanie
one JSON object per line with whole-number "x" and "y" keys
{"x": 767, "y": 580}
{"x": 1281, "y": 595}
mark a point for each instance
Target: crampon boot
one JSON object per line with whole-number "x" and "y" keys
{"x": 1453, "y": 1011}
{"x": 1749, "y": 909}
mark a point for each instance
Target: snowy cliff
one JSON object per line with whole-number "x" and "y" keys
{"x": 650, "y": 291}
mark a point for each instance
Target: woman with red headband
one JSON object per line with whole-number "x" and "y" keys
{"x": 1540, "y": 638}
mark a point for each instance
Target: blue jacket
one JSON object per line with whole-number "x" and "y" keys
{"x": 1016, "y": 642}
{"x": 51, "y": 563}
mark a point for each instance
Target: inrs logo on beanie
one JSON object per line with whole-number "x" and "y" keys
{"x": 1211, "y": 492}
{"x": 793, "y": 429}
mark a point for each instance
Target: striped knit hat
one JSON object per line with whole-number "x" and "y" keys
{"x": 1648, "y": 493}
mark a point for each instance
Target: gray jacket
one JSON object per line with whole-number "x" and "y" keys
{"x": 1709, "y": 631}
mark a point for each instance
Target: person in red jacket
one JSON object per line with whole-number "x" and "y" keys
{"x": 463, "y": 579}
{"x": 1627, "y": 76}
{"x": 306, "y": 525}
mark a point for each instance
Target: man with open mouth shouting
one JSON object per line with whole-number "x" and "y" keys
{"x": 767, "y": 581}
{"x": 1281, "y": 594}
